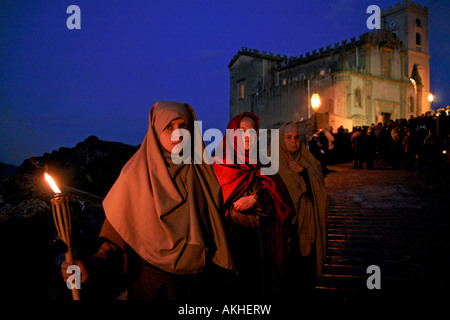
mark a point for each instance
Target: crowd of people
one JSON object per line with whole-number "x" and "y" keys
{"x": 419, "y": 143}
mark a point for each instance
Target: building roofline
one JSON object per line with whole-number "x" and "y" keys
{"x": 244, "y": 51}
{"x": 286, "y": 62}
{"x": 405, "y": 4}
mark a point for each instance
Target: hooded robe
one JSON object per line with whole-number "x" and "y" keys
{"x": 169, "y": 216}
{"x": 309, "y": 197}
{"x": 258, "y": 235}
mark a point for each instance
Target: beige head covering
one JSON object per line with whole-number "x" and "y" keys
{"x": 311, "y": 218}
{"x": 169, "y": 214}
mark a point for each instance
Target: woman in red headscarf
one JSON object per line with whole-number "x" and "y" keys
{"x": 257, "y": 208}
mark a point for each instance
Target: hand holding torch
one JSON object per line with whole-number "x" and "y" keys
{"x": 61, "y": 217}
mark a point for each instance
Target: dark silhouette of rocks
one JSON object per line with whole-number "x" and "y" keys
{"x": 27, "y": 232}
{"x": 7, "y": 169}
{"x": 92, "y": 165}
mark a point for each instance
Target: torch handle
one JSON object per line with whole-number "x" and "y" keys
{"x": 61, "y": 216}
{"x": 69, "y": 256}
{"x": 75, "y": 292}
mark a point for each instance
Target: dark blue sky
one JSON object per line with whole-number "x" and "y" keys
{"x": 59, "y": 86}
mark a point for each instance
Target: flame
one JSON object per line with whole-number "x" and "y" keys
{"x": 52, "y": 183}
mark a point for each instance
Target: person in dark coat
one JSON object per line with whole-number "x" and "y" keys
{"x": 315, "y": 148}
{"x": 396, "y": 147}
{"x": 370, "y": 148}
{"x": 324, "y": 146}
{"x": 409, "y": 149}
{"x": 357, "y": 139}
{"x": 431, "y": 156}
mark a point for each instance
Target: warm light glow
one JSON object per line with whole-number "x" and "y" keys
{"x": 444, "y": 152}
{"x": 414, "y": 84}
{"x": 430, "y": 97}
{"x": 315, "y": 101}
{"x": 52, "y": 183}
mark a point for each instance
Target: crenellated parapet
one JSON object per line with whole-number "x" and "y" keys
{"x": 257, "y": 54}
{"x": 402, "y": 5}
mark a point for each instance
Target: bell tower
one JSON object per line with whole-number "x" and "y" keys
{"x": 409, "y": 21}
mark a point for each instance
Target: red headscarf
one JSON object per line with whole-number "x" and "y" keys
{"x": 235, "y": 178}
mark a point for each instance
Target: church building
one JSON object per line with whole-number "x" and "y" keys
{"x": 381, "y": 76}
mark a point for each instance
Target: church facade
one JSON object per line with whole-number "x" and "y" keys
{"x": 381, "y": 76}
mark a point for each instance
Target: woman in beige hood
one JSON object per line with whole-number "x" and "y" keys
{"x": 302, "y": 174}
{"x": 163, "y": 223}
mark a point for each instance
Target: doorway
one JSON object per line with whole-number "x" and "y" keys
{"x": 386, "y": 117}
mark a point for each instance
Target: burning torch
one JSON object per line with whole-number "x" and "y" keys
{"x": 61, "y": 217}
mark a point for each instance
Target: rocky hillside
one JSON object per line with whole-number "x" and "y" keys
{"x": 27, "y": 233}
{"x": 92, "y": 165}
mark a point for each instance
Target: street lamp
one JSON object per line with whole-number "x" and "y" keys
{"x": 315, "y": 101}
{"x": 430, "y": 99}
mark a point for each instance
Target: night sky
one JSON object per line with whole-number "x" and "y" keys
{"x": 59, "y": 86}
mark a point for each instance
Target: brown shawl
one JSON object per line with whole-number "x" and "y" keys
{"x": 169, "y": 214}
{"x": 311, "y": 218}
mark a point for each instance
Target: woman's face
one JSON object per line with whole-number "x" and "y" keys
{"x": 246, "y": 124}
{"x": 292, "y": 140}
{"x": 165, "y": 138}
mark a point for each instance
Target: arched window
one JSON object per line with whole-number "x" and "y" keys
{"x": 411, "y": 104}
{"x": 418, "y": 39}
{"x": 418, "y": 23}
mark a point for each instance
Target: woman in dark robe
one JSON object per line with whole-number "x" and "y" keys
{"x": 164, "y": 228}
{"x": 257, "y": 206}
{"x": 302, "y": 174}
